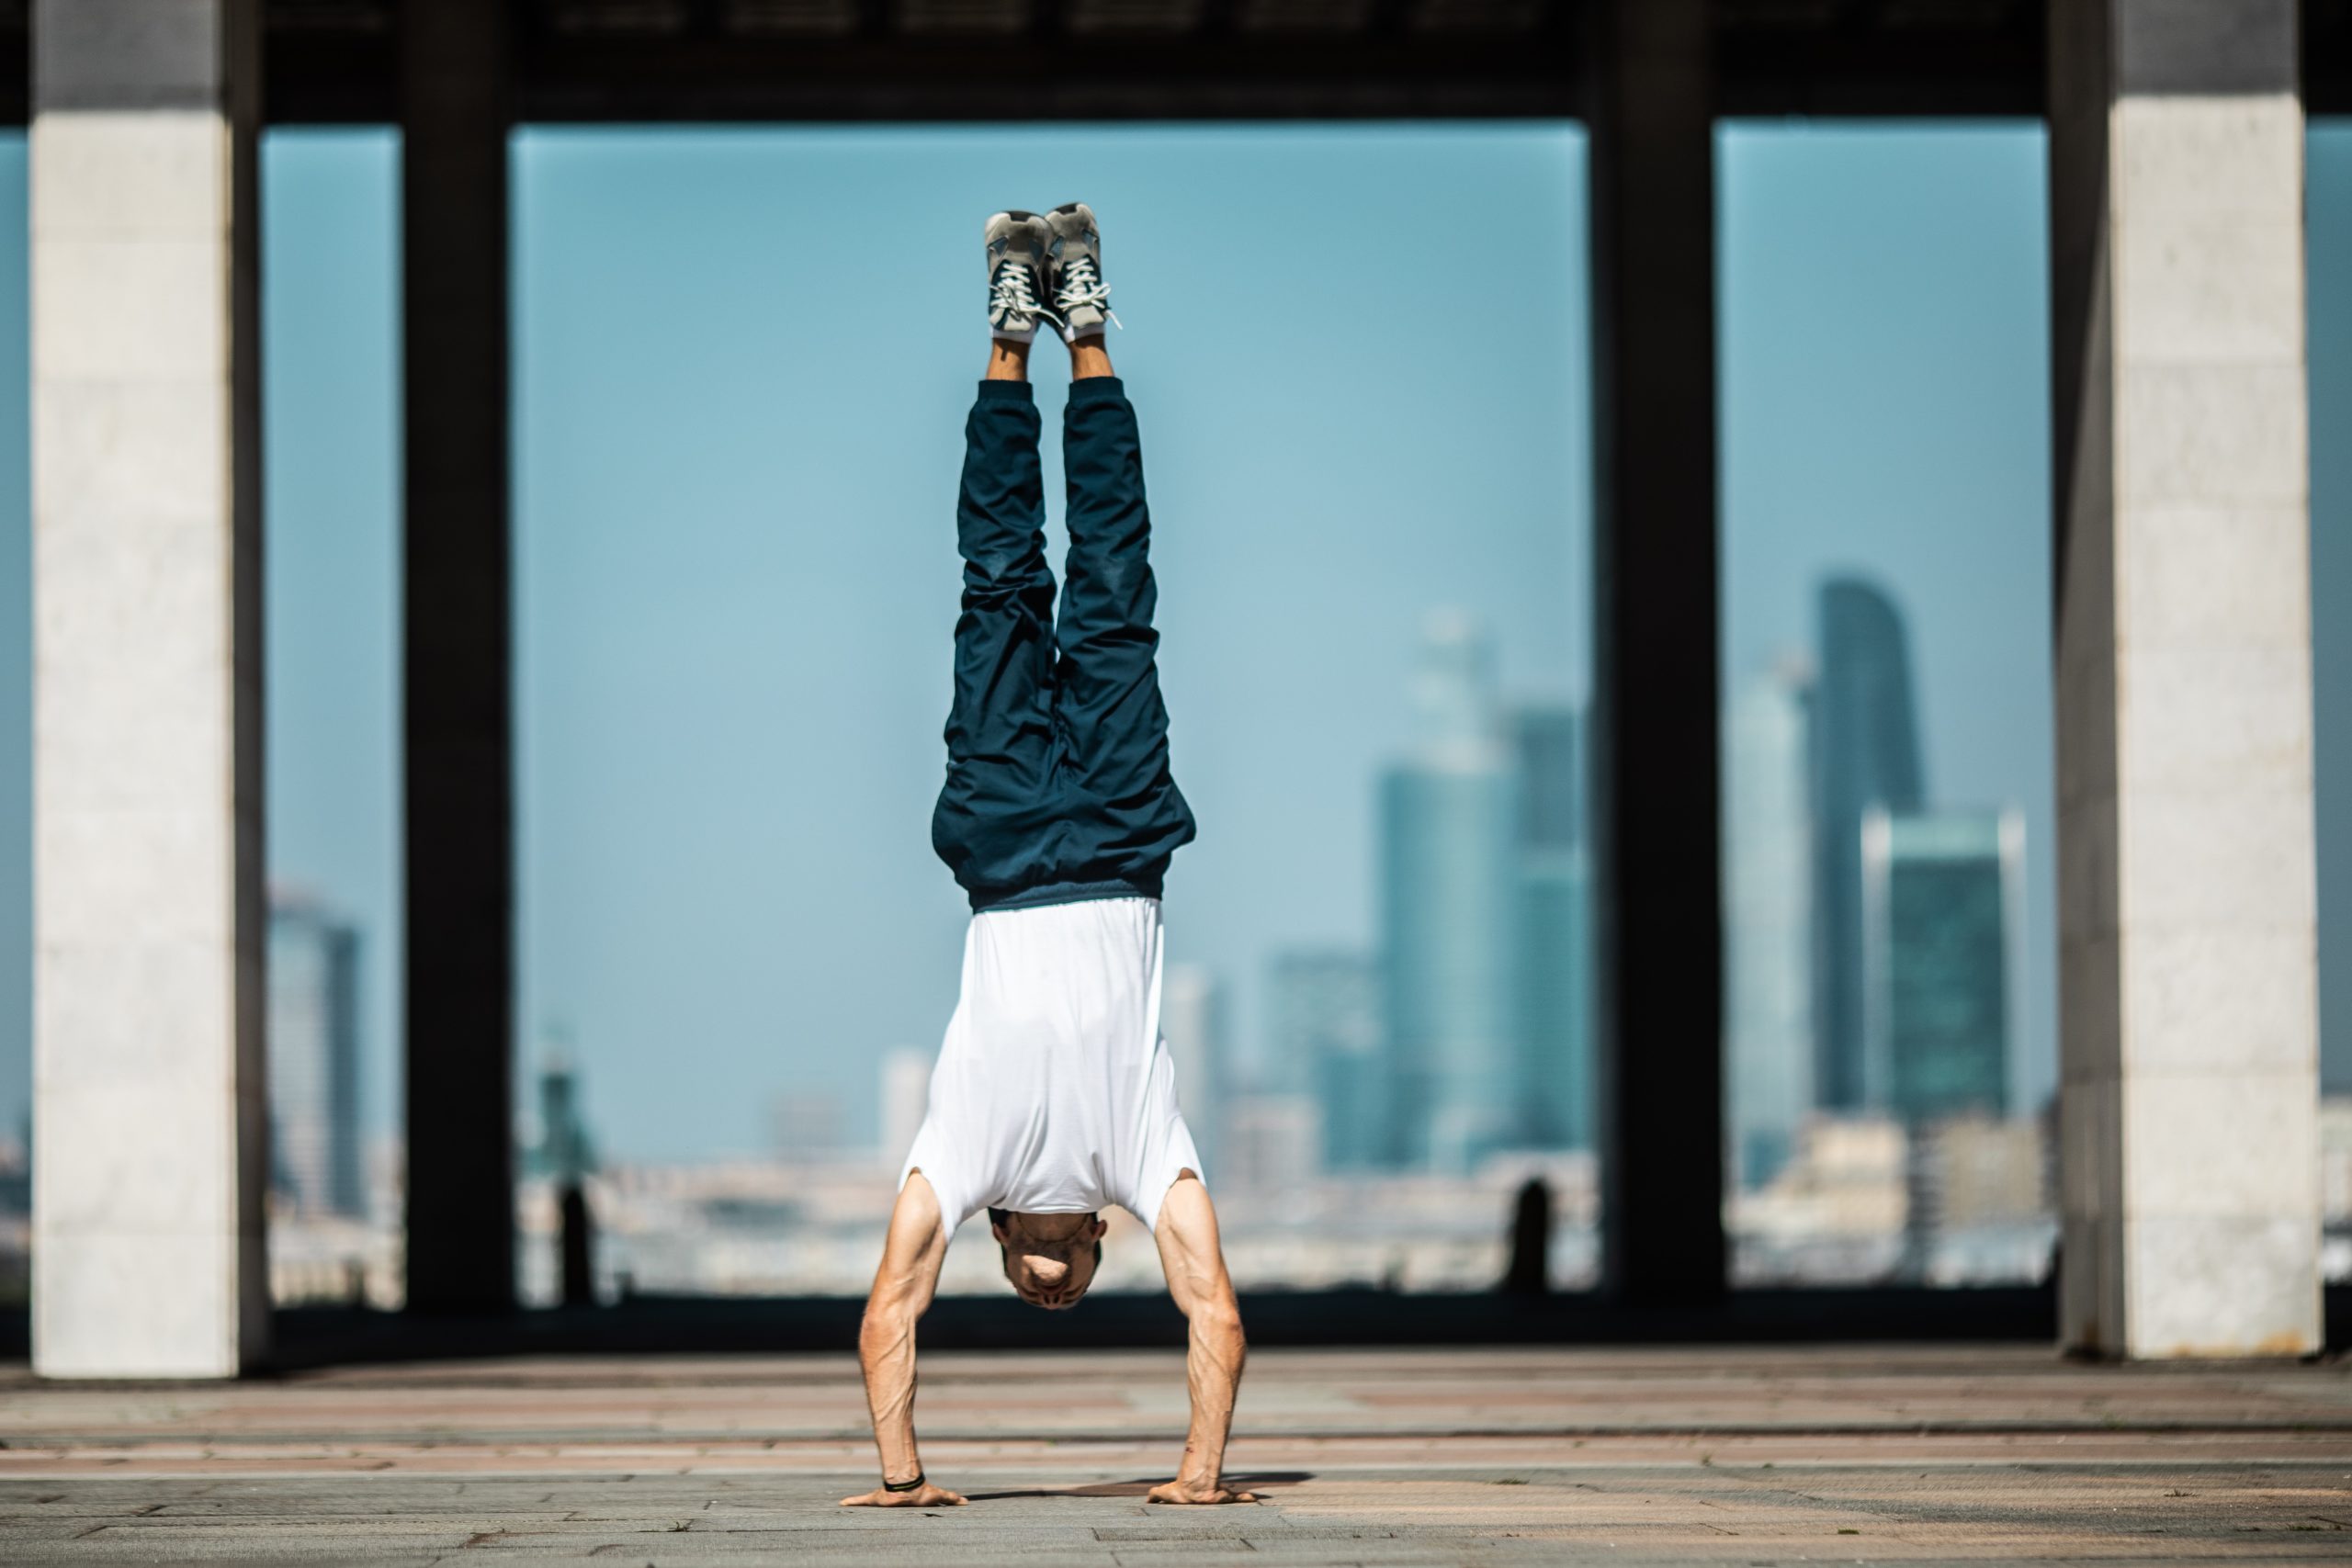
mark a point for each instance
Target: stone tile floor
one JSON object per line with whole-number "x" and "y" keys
{"x": 1744, "y": 1456}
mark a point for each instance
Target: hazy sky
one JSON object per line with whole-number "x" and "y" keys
{"x": 743, "y": 358}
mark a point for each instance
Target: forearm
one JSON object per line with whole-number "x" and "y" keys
{"x": 886, "y": 1346}
{"x": 885, "y": 1351}
{"x": 1213, "y": 1371}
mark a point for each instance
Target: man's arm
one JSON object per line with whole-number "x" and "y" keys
{"x": 915, "y": 1247}
{"x": 1194, "y": 1262}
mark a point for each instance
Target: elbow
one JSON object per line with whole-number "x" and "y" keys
{"x": 887, "y": 1323}
{"x": 1218, "y": 1318}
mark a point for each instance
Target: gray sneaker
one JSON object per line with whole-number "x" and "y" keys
{"x": 1017, "y": 274}
{"x": 1081, "y": 299}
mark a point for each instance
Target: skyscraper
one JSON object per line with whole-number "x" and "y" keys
{"x": 1552, "y": 964}
{"x": 1191, "y": 1020}
{"x": 1865, "y": 757}
{"x": 565, "y": 1152}
{"x": 1272, "y": 1141}
{"x": 314, "y": 1059}
{"x": 1324, "y": 1015}
{"x": 905, "y": 1095}
{"x": 806, "y": 1125}
{"x": 1941, "y": 895}
{"x": 1769, "y": 921}
{"x": 1448, "y": 821}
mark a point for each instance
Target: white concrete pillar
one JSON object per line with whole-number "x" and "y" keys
{"x": 2189, "y": 1054}
{"x": 148, "y": 1100}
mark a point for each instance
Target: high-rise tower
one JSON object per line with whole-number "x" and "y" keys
{"x": 1552, "y": 964}
{"x": 1865, "y": 758}
{"x": 1191, "y": 1020}
{"x": 1324, "y": 1009}
{"x": 314, "y": 1059}
{"x": 1768, "y": 909}
{"x": 1448, "y": 818}
{"x": 1941, "y": 892}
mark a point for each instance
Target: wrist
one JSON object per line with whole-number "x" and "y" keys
{"x": 912, "y": 1485}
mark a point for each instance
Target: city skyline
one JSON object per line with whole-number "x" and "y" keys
{"x": 332, "y": 488}
{"x": 1873, "y": 936}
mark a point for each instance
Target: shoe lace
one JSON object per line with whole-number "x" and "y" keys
{"x": 1082, "y": 285}
{"x": 1010, "y": 298}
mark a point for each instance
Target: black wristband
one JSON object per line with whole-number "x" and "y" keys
{"x": 888, "y": 1485}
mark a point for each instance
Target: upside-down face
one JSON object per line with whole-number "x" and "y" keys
{"x": 1049, "y": 1260}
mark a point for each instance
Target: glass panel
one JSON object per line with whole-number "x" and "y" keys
{"x": 744, "y": 360}
{"x": 2328, "y": 207}
{"x": 1890, "y": 923}
{"x": 330, "y": 380}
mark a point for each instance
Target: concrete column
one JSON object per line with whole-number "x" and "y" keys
{"x": 1658, "y": 901}
{"x": 2189, "y": 1093}
{"x": 458, "y": 666}
{"x": 150, "y": 1116}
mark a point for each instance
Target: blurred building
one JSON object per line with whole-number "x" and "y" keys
{"x": 1191, "y": 1020}
{"x": 806, "y": 1124}
{"x": 1865, "y": 757}
{"x": 1324, "y": 1022}
{"x": 906, "y": 1095}
{"x": 1982, "y": 1195}
{"x": 15, "y": 1218}
{"x": 1273, "y": 1144}
{"x": 1835, "y": 1213}
{"x": 2335, "y": 1187}
{"x": 2336, "y": 1160}
{"x": 1981, "y": 1172}
{"x": 562, "y": 1150}
{"x": 315, "y": 1155}
{"x": 1448, "y": 895}
{"x": 1554, "y": 957}
{"x": 1942, "y": 894}
{"x": 17, "y": 1172}
{"x": 1768, "y": 906}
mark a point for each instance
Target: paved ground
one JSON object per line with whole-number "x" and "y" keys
{"x": 1738, "y": 1457}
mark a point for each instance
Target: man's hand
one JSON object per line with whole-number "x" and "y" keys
{"x": 1181, "y": 1490}
{"x": 923, "y": 1496}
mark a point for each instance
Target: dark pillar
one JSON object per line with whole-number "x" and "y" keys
{"x": 1659, "y": 957}
{"x": 459, "y": 730}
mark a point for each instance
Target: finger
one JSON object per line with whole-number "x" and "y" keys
{"x": 955, "y": 1499}
{"x": 863, "y": 1500}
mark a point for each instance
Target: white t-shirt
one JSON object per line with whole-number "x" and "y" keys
{"x": 1053, "y": 1093}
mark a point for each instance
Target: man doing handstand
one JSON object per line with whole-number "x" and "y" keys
{"x": 1054, "y": 1096}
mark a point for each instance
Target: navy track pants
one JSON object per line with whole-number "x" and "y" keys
{"x": 1058, "y": 781}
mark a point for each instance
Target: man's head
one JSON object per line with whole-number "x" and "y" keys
{"x": 1049, "y": 1259}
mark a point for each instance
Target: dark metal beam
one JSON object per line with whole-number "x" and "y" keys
{"x": 1040, "y": 75}
{"x": 336, "y": 61}
{"x": 2326, "y": 46}
{"x": 459, "y": 761}
{"x": 1873, "y": 58}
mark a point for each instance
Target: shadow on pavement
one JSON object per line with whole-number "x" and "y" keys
{"x": 1256, "y": 1481}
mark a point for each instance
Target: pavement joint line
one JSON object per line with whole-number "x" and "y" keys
{"x": 1744, "y": 1469}
{"x": 20, "y": 1441}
